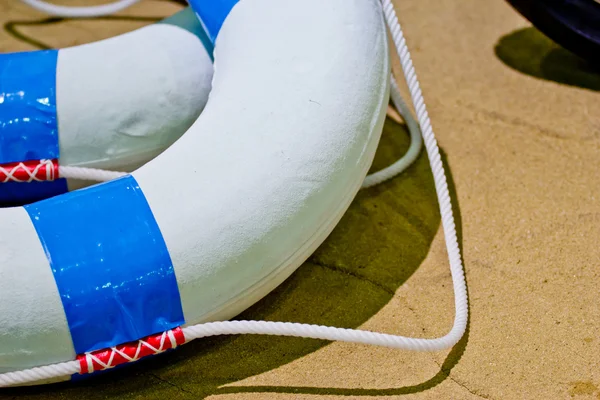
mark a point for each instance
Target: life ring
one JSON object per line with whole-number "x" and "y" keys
{"x": 122, "y": 270}
{"x": 570, "y": 23}
{"x": 113, "y": 104}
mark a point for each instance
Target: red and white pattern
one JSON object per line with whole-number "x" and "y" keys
{"x": 29, "y": 171}
{"x": 130, "y": 352}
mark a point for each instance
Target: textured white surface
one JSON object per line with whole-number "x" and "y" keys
{"x": 290, "y": 129}
{"x": 33, "y": 325}
{"x": 296, "y": 112}
{"x": 123, "y": 100}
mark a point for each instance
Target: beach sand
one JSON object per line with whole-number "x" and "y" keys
{"x": 518, "y": 121}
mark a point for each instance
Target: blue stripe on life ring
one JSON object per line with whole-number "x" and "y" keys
{"x": 110, "y": 262}
{"x": 212, "y": 14}
{"x": 28, "y": 124}
{"x": 28, "y": 121}
{"x": 17, "y": 193}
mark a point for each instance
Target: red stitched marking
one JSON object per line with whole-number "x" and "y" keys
{"x": 29, "y": 171}
{"x": 130, "y": 352}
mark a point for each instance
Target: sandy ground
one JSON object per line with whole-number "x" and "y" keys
{"x": 518, "y": 120}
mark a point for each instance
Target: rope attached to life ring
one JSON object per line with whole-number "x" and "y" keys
{"x": 159, "y": 343}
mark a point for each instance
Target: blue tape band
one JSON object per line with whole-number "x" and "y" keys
{"x": 28, "y": 124}
{"x": 212, "y": 14}
{"x": 18, "y": 194}
{"x": 110, "y": 263}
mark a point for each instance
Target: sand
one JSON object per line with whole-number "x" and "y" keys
{"x": 518, "y": 120}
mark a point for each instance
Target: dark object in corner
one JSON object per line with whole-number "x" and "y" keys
{"x": 574, "y": 24}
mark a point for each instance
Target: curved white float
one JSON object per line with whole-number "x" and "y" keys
{"x": 112, "y": 104}
{"x": 255, "y": 185}
{"x": 125, "y": 269}
{"x": 123, "y": 100}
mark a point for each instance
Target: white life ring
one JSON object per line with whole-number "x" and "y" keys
{"x": 226, "y": 213}
{"x": 112, "y": 104}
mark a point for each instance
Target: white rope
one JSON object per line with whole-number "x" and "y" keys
{"x": 39, "y": 374}
{"x": 88, "y": 174}
{"x": 80, "y": 12}
{"x": 331, "y": 333}
{"x": 415, "y": 142}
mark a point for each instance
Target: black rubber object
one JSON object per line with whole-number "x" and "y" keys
{"x": 573, "y": 24}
